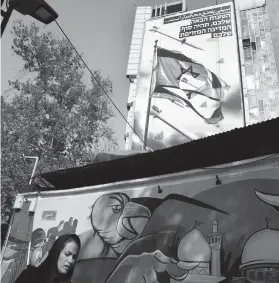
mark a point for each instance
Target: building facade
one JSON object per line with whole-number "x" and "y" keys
{"x": 258, "y": 37}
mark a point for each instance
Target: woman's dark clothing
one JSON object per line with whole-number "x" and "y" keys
{"x": 47, "y": 272}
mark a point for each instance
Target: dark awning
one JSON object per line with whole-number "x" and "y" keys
{"x": 250, "y": 142}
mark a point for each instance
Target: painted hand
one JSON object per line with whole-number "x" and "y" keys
{"x": 144, "y": 268}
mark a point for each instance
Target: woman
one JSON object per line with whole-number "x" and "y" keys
{"x": 58, "y": 266}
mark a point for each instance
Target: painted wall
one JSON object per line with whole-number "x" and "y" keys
{"x": 178, "y": 228}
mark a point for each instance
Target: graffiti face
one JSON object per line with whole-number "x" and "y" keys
{"x": 36, "y": 254}
{"x": 132, "y": 221}
{"x": 37, "y": 242}
{"x": 116, "y": 218}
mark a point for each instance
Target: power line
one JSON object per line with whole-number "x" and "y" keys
{"x": 101, "y": 86}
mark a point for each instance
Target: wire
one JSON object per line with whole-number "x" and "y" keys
{"x": 102, "y": 86}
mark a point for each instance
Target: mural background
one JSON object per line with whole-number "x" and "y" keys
{"x": 116, "y": 225}
{"x": 219, "y": 56}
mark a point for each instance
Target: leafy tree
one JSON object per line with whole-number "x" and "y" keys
{"x": 53, "y": 115}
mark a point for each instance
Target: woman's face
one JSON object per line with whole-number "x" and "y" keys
{"x": 67, "y": 257}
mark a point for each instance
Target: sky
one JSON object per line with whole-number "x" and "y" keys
{"x": 101, "y": 30}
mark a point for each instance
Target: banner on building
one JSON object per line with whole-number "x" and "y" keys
{"x": 192, "y": 80}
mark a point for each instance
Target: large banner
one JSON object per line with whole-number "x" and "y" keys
{"x": 190, "y": 229}
{"x": 193, "y": 78}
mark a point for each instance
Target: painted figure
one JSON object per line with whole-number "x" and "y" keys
{"x": 126, "y": 228}
{"x": 115, "y": 223}
{"x": 68, "y": 226}
{"x": 36, "y": 251}
{"x": 168, "y": 242}
{"x": 75, "y": 226}
{"x": 53, "y": 234}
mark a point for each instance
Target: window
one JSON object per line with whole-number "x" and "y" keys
{"x": 250, "y": 82}
{"x": 253, "y": 44}
{"x": 261, "y": 105}
{"x": 252, "y": 101}
{"x": 262, "y": 118}
{"x": 174, "y": 8}
{"x": 252, "y": 275}
{"x": 243, "y": 14}
{"x": 153, "y": 13}
{"x": 273, "y": 105}
{"x": 246, "y": 43}
{"x": 249, "y": 70}
{"x": 245, "y": 31}
{"x": 247, "y": 54}
{"x": 244, "y": 22}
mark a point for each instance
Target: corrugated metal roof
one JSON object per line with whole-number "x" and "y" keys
{"x": 244, "y": 143}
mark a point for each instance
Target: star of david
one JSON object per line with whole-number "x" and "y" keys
{"x": 190, "y": 71}
{"x": 184, "y": 80}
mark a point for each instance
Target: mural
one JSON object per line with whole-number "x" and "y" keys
{"x": 187, "y": 232}
{"x": 229, "y": 233}
{"x": 189, "y": 86}
{"x": 41, "y": 242}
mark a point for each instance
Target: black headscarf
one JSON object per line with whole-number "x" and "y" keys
{"x": 49, "y": 265}
{"x": 47, "y": 272}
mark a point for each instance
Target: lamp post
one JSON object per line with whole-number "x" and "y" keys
{"x": 38, "y": 9}
{"x": 34, "y": 168}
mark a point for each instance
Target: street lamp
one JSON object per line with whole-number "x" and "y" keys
{"x": 35, "y": 166}
{"x": 38, "y": 9}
